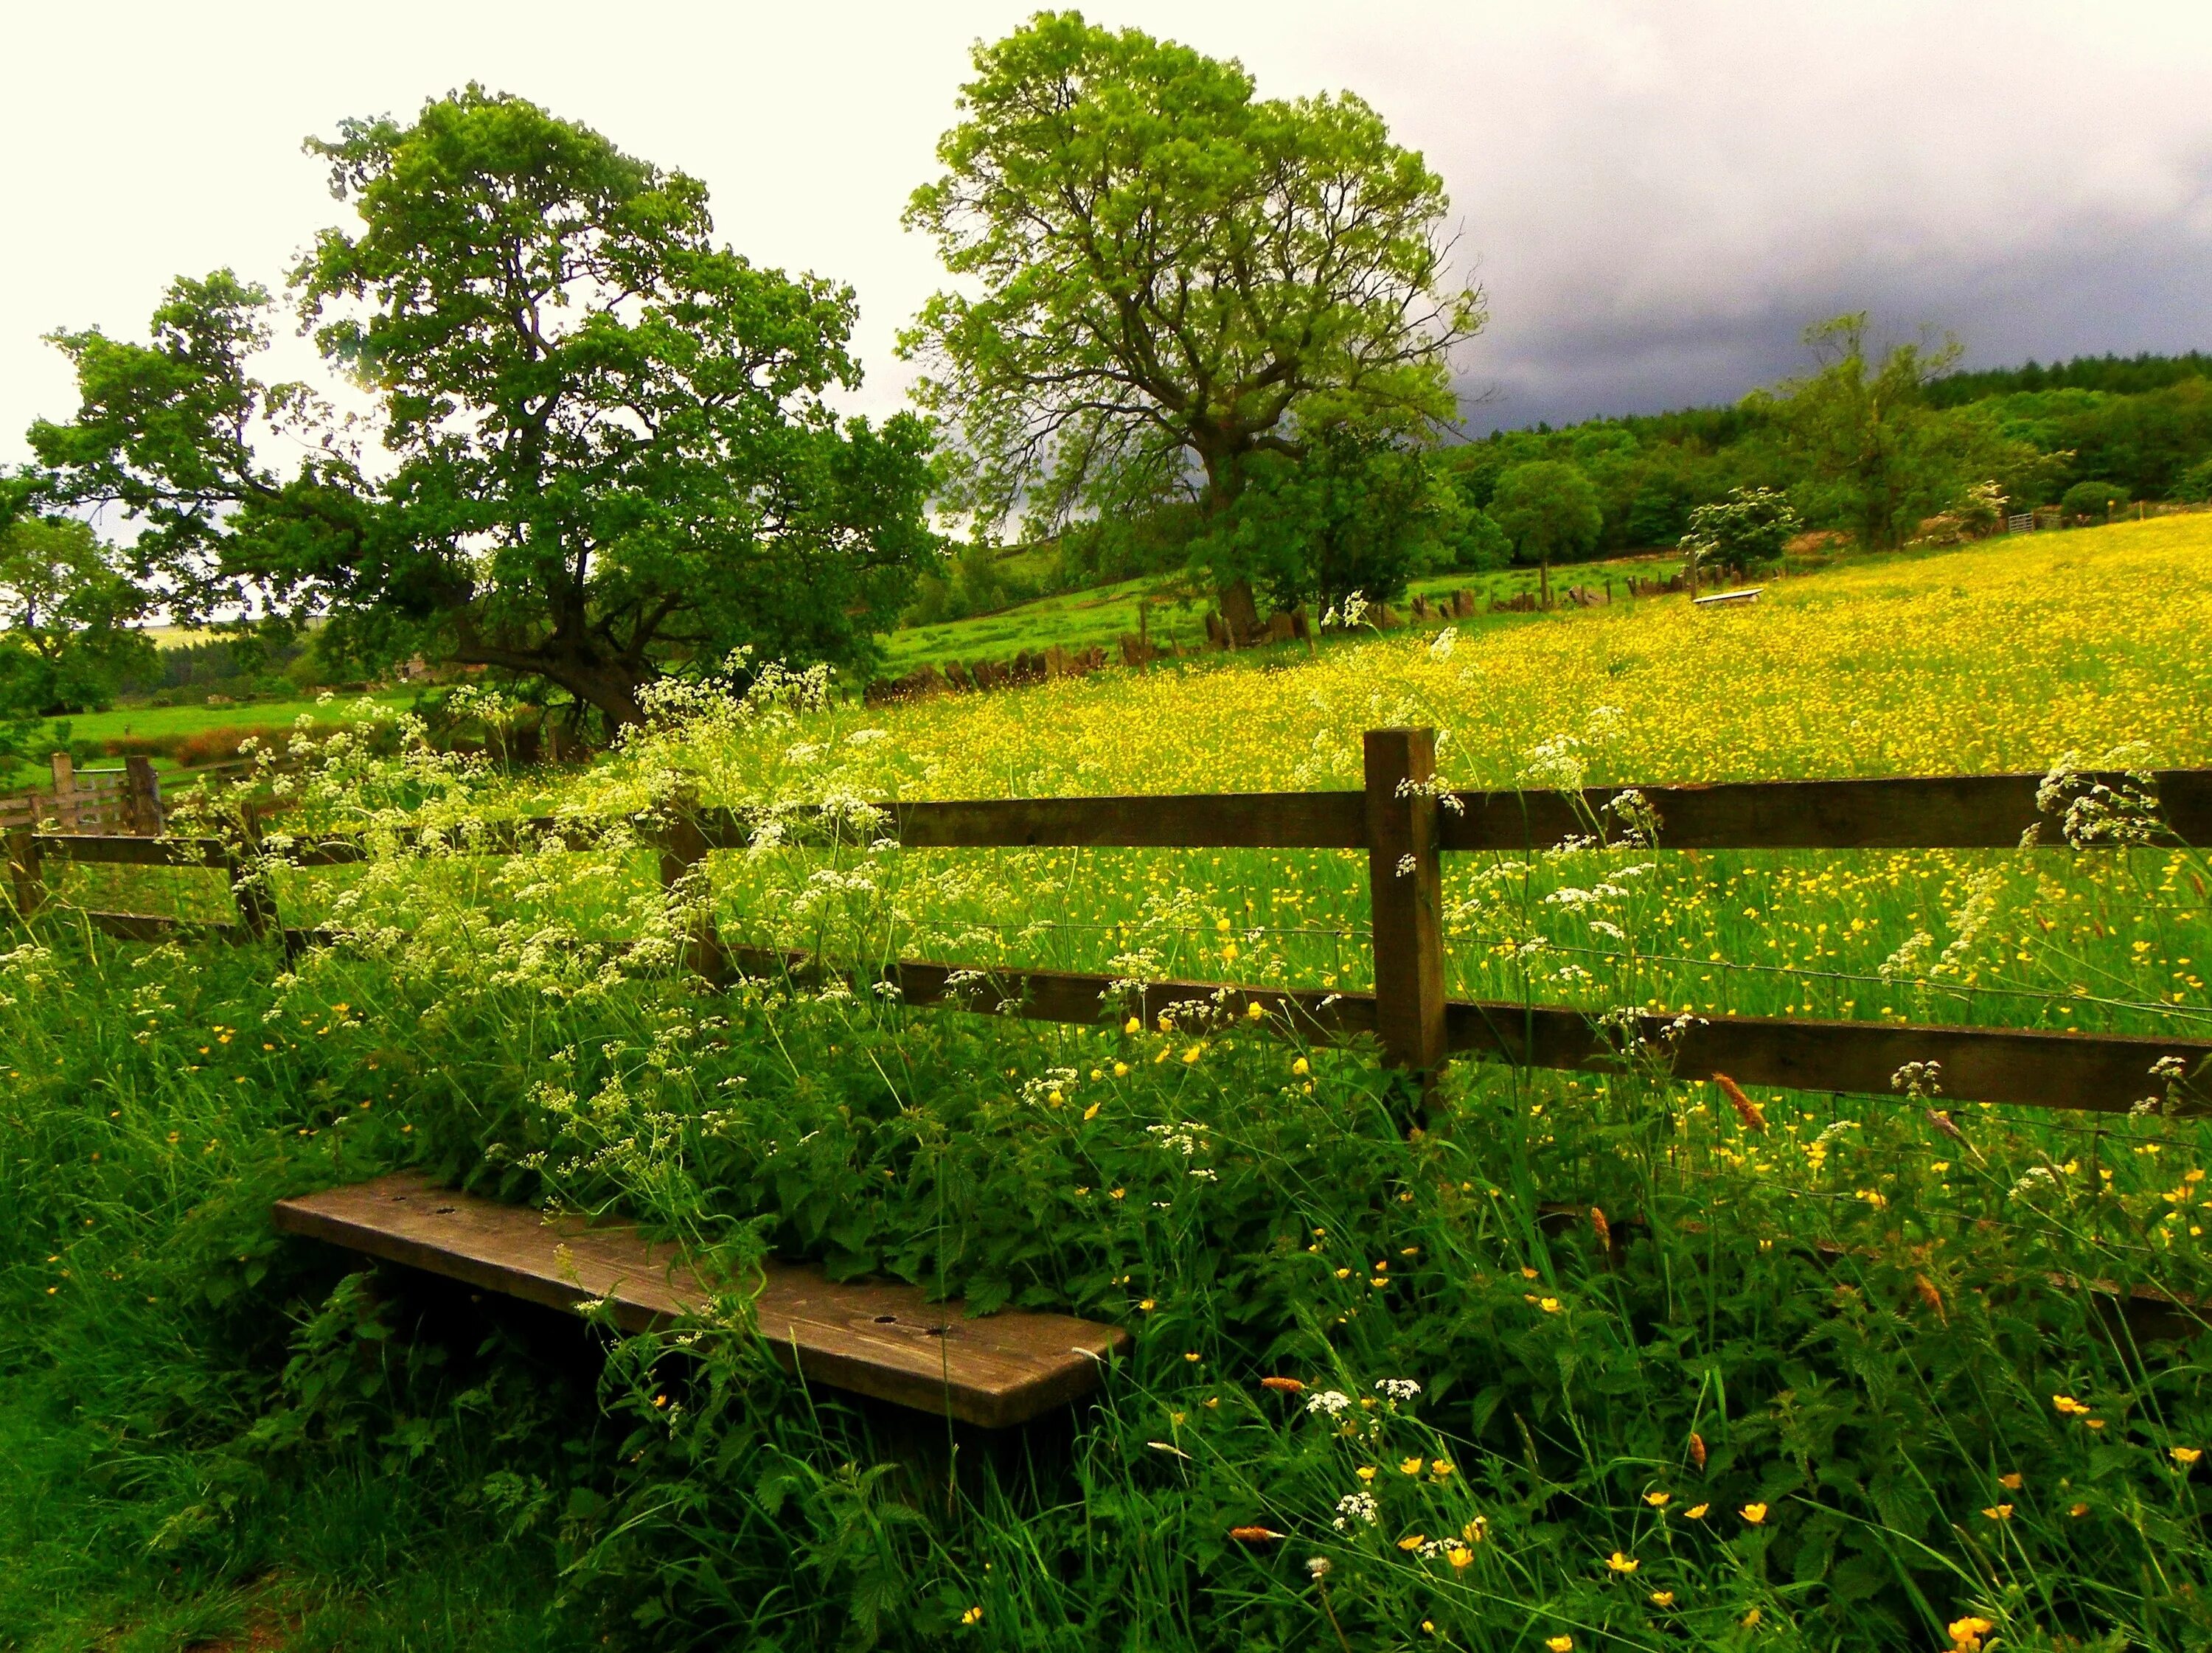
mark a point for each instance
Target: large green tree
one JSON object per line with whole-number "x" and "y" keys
{"x": 1164, "y": 276}
{"x": 606, "y": 445}
{"x": 70, "y": 618}
{"x": 1547, "y": 509}
{"x": 1357, "y": 512}
{"x": 1869, "y": 453}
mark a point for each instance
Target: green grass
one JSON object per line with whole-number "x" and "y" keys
{"x": 1850, "y": 1312}
{"x": 1102, "y": 614}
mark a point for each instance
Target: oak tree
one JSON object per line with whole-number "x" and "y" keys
{"x": 603, "y": 443}
{"x": 1164, "y": 276}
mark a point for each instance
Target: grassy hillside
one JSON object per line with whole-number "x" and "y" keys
{"x": 1833, "y": 1385}
{"x": 1077, "y": 620}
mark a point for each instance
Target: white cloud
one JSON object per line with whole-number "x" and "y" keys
{"x": 1659, "y": 197}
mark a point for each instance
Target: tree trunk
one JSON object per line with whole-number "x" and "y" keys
{"x": 1239, "y": 612}
{"x": 609, "y": 687}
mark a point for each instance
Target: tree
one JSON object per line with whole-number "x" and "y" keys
{"x": 1746, "y": 531}
{"x": 608, "y": 448}
{"x": 1877, "y": 457}
{"x": 1547, "y": 509}
{"x": 1356, "y": 512}
{"x": 1166, "y": 277}
{"x": 70, "y": 612}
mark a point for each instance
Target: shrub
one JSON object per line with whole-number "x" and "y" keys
{"x": 2093, "y": 499}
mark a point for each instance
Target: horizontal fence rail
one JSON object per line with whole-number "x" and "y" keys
{"x": 1405, "y": 822}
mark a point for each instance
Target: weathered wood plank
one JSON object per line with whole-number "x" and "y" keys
{"x": 1288, "y": 820}
{"x": 1969, "y": 812}
{"x": 885, "y": 1341}
{"x": 161, "y": 927}
{"x": 2105, "y": 1073}
{"x": 110, "y": 850}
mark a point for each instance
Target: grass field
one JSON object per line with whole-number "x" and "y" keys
{"x": 1100, "y": 616}
{"x": 1837, "y": 1387}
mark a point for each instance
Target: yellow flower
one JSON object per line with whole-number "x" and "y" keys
{"x": 1697, "y": 1511}
{"x": 2010, "y": 1483}
{"x": 1560, "y": 1643}
{"x": 1257, "y": 1012}
{"x": 1193, "y": 1052}
{"x": 1145, "y": 1307}
{"x": 1549, "y": 1305}
{"x": 1753, "y": 1513}
{"x": 1091, "y": 1112}
{"x": 1343, "y": 1273}
{"x": 1621, "y": 1564}
{"x": 2093, "y": 1423}
{"x": 971, "y": 1616}
{"x": 1365, "y": 1472}
{"x": 2184, "y": 1456}
{"x": 2078, "y": 1510}
{"x": 1411, "y": 1465}
{"x": 1300, "y": 1067}
{"x": 1750, "y": 1620}
{"x": 1121, "y": 1070}
{"x": 1966, "y": 1633}
{"x": 1663, "y": 1598}
{"x": 1412, "y": 1541}
{"x": 2067, "y": 1405}
{"x": 1132, "y": 1026}
{"x": 1192, "y": 1356}
{"x": 1999, "y": 1512}
{"x": 1440, "y": 1468}
{"x": 1461, "y": 1555}
{"x": 1658, "y": 1500}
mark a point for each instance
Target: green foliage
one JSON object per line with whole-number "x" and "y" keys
{"x": 68, "y": 608}
{"x": 2093, "y": 499}
{"x": 2114, "y": 375}
{"x": 1870, "y": 454}
{"x": 1745, "y": 531}
{"x": 1357, "y": 512}
{"x": 1164, "y": 274}
{"x": 1548, "y": 511}
{"x": 613, "y": 455}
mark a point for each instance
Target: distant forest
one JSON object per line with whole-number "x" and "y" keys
{"x": 2142, "y": 425}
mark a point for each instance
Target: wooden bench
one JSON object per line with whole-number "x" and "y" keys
{"x": 888, "y": 1342}
{"x": 1723, "y": 599}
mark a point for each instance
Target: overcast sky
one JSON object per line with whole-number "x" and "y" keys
{"x": 1656, "y": 198}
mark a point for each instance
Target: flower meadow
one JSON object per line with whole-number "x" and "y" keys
{"x": 1592, "y": 1361}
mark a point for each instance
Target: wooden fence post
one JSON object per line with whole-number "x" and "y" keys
{"x": 249, "y": 888}
{"x": 682, "y": 846}
{"x": 24, "y": 872}
{"x": 142, "y": 798}
{"x": 1404, "y": 881}
{"x": 64, "y": 792}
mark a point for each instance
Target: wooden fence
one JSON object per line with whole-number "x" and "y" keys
{"x": 1406, "y": 822}
{"x": 90, "y": 801}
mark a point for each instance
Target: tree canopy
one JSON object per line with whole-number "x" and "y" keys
{"x": 1548, "y": 510}
{"x": 69, "y": 613}
{"x": 605, "y": 446}
{"x": 1165, "y": 277}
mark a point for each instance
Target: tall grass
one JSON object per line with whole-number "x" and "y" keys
{"x": 1594, "y": 1361}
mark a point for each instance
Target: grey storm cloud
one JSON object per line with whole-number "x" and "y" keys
{"x": 1657, "y": 198}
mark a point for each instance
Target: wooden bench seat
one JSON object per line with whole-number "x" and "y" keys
{"x": 888, "y": 1342}
{"x": 1725, "y": 598}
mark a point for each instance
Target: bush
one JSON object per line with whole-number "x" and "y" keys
{"x": 2093, "y": 499}
{"x": 1746, "y": 531}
